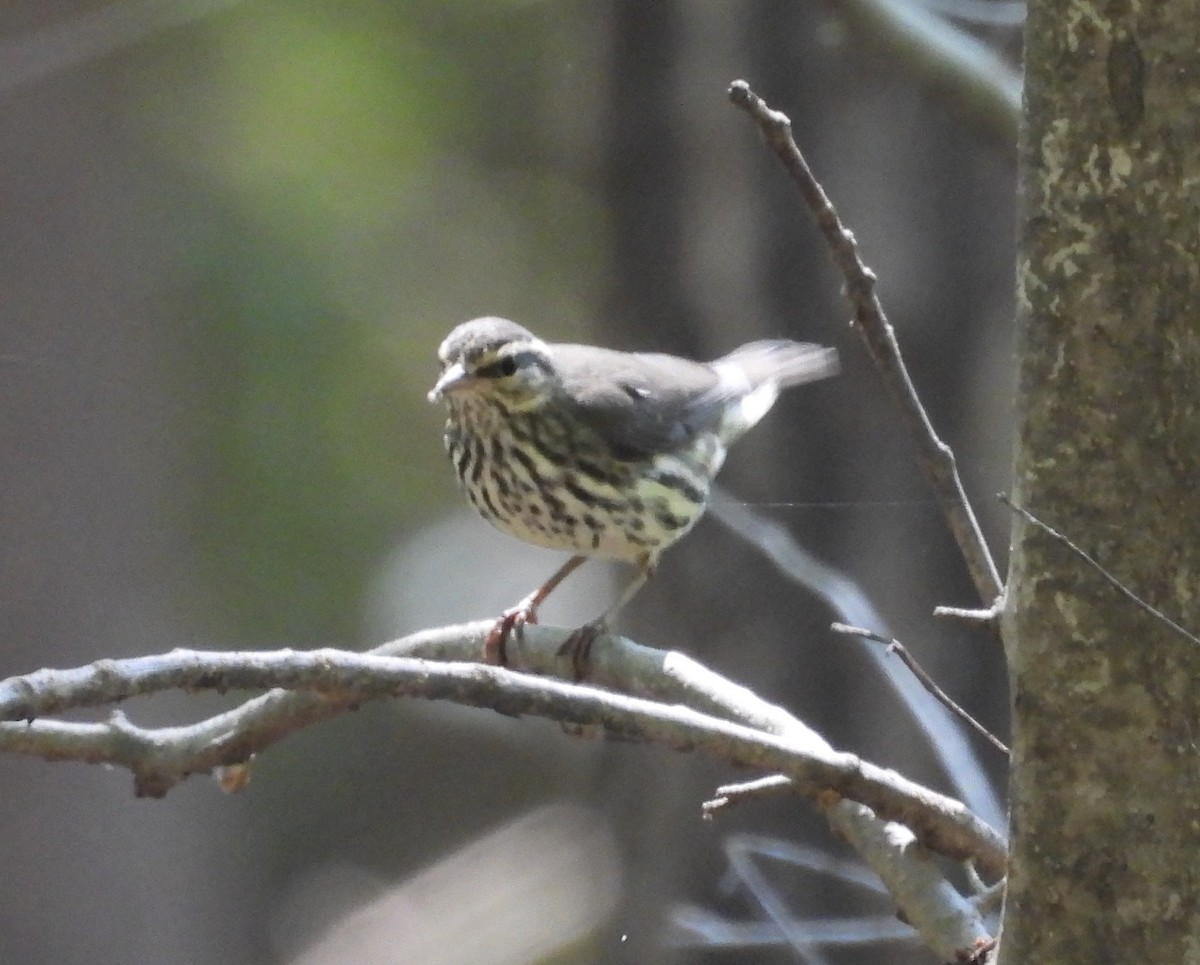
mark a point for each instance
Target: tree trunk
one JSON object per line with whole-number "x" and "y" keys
{"x": 1106, "y": 698}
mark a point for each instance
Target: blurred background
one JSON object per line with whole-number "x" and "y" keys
{"x": 234, "y": 234}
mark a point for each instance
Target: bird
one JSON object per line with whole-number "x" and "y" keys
{"x": 597, "y": 452}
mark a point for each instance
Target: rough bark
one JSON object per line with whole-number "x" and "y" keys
{"x": 1106, "y": 769}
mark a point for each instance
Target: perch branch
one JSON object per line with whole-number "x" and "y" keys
{"x": 337, "y": 681}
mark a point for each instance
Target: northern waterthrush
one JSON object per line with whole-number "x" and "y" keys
{"x": 596, "y": 452}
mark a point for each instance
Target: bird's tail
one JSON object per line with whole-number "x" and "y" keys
{"x": 752, "y": 376}
{"x": 781, "y": 361}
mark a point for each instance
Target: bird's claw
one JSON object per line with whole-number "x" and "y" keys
{"x": 495, "y": 646}
{"x": 578, "y": 646}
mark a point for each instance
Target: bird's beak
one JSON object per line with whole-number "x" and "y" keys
{"x": 454, "y": 379}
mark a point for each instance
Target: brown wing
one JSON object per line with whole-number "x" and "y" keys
{"x": 641, "y": 404}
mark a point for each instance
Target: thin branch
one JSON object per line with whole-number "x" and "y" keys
{"x": 947, "y": 742}
{"x": 988, "y": 898}
{"x": 1108, "y": 577}
{"x": 935, "y": 456}
{"x": 699, "y": 929}
{"x": 909, "y": 876}
{"x": 948, "y": 922}
{"x": 990, "y": 615}
{"x": 901, "y": 651}
{"x": 945, "y": 921}
{"x": 728, "y": 795}
{"x": 339, "y": 680}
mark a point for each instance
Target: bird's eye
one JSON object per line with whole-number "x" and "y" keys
{"x": 499, "y": 370}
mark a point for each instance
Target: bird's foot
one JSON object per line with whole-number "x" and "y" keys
{"x": 578, "y": 646}
{"x": 495, "y": 647}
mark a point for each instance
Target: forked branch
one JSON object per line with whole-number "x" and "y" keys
{"x": 329, "y": 682}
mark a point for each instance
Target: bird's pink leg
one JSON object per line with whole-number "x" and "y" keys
{"x": 515, "y": 617}
{"x": 579, "y": 644}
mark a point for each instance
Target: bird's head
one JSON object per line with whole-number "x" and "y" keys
{"x": 493, "y": 358}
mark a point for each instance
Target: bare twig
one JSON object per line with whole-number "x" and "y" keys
{"x": 728, "y": 795}
{"x": 935, "y": 456}
{"x": 339, "y": 680}
{"x": 162, "y": 758}
{"x": 990, "y": 615}
{"x": 908, "y": 873}
{"x": 896, "y": 647}
{"x": 947, "y": 922}
{"x": 988, "y": 898}
{"x": 1108, "y": 577}
{"x": 947, "y": 742}
{"x": 943, "y": 921}
{"x": 711, "y": 932}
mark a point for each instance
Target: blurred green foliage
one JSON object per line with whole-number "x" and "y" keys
{"x": 358, "y": 196}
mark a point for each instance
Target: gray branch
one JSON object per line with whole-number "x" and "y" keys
{"x": 935, "y": 457}
{"x": 705, "y": 713}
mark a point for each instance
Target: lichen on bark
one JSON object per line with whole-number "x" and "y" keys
{"x": 1106, "y": 700}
